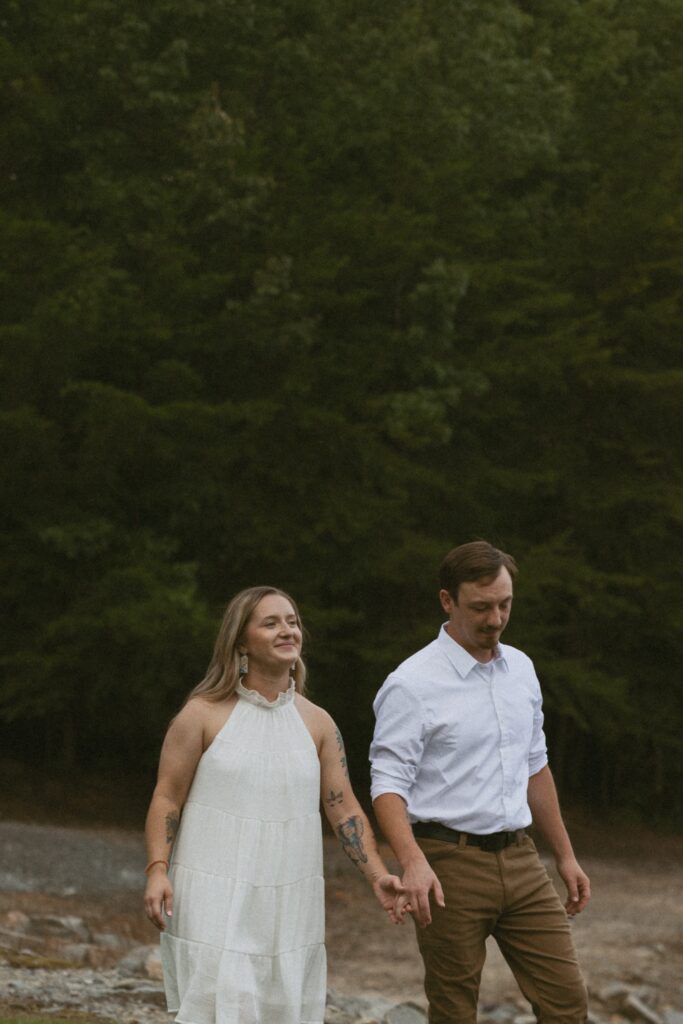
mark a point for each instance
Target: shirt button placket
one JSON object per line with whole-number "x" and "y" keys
{"x": 505, "y": 790}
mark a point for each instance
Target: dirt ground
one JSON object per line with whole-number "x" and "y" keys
{"x": 632, "y": 930}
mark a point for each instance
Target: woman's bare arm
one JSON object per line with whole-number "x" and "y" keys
{"x": 350, "y": 823}
{"x": 180, "y": 754}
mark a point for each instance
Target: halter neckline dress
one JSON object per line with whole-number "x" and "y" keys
{"x": 245, "y": 944}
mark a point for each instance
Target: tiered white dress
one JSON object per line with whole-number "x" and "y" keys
{"x": 245, "y": 942}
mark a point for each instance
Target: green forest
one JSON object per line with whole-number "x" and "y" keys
{"x": 307, "y": 292}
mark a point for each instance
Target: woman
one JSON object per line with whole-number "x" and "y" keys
{"x": 247, "y": 760}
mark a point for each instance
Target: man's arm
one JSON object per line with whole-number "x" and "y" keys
{"x": 545, "y": 810}
{"x": 418, "y": 878}
{"x": 395, "y": 754}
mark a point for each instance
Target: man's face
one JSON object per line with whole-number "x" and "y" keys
{"x": 480, "y": 614}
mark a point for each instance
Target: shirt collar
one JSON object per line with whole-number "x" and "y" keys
{"x": 459, "y": 658}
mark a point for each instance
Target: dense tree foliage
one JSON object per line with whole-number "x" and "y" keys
{"x": 309, "y": 292}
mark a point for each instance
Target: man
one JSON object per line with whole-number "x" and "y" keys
{"x": 459, "y": 769}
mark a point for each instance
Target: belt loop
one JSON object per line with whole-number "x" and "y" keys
{"x": 519, "y": 836}
{"x": 462, "y": 839}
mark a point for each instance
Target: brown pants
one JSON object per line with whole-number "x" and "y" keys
{"x": 510, "y": 896}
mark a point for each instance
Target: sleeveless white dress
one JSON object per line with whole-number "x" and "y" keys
{"x": 245, "y": 944}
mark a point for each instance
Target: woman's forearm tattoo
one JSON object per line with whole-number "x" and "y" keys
{"x": 342, "y": 760}
{"x": 333, "y": 798}
{"x": 172, "y": 823}
{"x": 350, "y": 833}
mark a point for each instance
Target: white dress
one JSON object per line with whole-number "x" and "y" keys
{"x": 245, "y": 942}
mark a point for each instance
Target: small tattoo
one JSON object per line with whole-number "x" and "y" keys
{"x": 342, "y": 759}
{"x": 350, "y": 834}
{"x": 334, "y": 798}
{"x": 172, "y": 823}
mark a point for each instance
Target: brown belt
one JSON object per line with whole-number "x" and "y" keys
{"x": 492, "y": 843}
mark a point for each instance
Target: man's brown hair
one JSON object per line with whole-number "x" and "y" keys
{"x": 474, "y": 561}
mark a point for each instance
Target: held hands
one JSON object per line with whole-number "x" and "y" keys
{"x": 419, "y": 881}
{"x": 158, "y": 897}
{"x": 578, "y": 885}
{"x": 392, "y": 896}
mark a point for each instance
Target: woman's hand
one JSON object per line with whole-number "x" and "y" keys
{"x": 158, "y": 896}
{"x": 391, "y": 896}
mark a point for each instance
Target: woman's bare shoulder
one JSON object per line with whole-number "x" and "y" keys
{"x": 316, "y": 718}
{"x": 206, "y": 716}
{"x": 303, "y": 703}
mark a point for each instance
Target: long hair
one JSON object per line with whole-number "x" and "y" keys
{"x": 223, "y": 672}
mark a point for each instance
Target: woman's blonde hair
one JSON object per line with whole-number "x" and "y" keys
{"x": 223, "y": 672}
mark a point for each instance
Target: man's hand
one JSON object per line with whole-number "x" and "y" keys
{"x": 392, "y": 896}
{"x": 419, "y": 881}
{"x": 418, "y": 878}
{"x": 578, "y": 885}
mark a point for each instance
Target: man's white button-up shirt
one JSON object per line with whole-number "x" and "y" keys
{"x": 458, "y": 739}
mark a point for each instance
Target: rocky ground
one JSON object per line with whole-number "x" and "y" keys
{"x": 74, "y": 941}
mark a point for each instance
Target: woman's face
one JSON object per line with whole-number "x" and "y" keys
{"x": 272, "y": 636}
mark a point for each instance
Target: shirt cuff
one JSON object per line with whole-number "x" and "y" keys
{"x": 537, "y": 762}
{"x": 395, "y": 779}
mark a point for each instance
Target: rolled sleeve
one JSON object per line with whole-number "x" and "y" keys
{"x": 538, "y": 751}
{"x": 398, "y": 742}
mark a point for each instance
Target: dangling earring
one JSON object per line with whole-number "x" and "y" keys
{"x": 244, "y": 665}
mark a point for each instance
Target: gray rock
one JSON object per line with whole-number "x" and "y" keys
{"x": 376, "y": 1007}
{"x": 97, "y": 993}
{"x": 613, "y": 995}
{"x": 371, "y": 1009}
{"x": 124, "y": 984}
{"x": 135, "y": 962}
{"x": 351, "y": 1005}
{"x": 84, "y": 953}
{"x": 503, "y": 1013}
{"x": 343, "y": 1009}
{"x": 109, "y": 941}
{"x": 76, "y": 952}
{"x": 335, "y": 1015}
{"x": 595, "y": 1018}
{"x": 149, "y": 993}
{"x": 638, "y": 1010}
{"x": 54, "y": 926}
{"x": 672, "y": 1016}
{"x": 405, "y": 1013}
